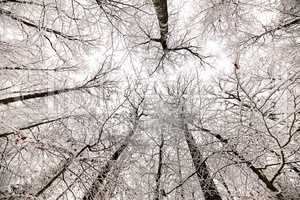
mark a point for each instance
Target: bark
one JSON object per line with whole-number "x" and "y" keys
{"x": 91, "y": 83}
{"x": 60, "y": 172}
{"x": 161, "y": 8}
{"x": 95, "y": 189}
{"x": 207, "y": 184}
{"x": 159, "y": 169}
{"x": 9, "y": 100}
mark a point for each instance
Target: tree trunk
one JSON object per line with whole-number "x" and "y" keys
{"x": 207, "y": 184}
{"x": 9, "y": 100}
{"x": 95, "y": 189}
{"x": 60, "y": 171}
{"x": 161, "y": 8}
{"x": 157, "y": 191}
{"x": 256, "y": 171}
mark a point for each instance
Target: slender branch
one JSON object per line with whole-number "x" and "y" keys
{"x": 32, "y": 126}
{"x": 33, "y": 25}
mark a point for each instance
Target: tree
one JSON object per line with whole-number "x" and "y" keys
{"x": 178, "y": 92}
{"x": 94, "y": 192}
{"x": 119, "y": 99}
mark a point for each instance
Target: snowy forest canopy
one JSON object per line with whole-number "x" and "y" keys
{"x": 150, "y": 99}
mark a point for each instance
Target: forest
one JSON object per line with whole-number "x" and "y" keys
{"x": 150, "y": 99}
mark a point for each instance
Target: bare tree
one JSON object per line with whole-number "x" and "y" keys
{"x": 85, "y": 112}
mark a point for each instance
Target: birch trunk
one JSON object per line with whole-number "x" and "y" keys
{"x": 161, "y": 8}
{"x": 207, "y": 184}
{"x": 95, "y": 189}
{"x": 157, "y": 194}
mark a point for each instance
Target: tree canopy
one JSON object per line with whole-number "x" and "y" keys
{"x": 151, "y": 99}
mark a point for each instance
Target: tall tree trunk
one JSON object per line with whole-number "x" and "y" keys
{"x": 255, "y": 170}
{"x": 161, "y": 8}
{"x": 157, "y": 192}
{"x": 95, "y": 189}
{"x": 207, "y": 184}
{"x": 60, "y": 172}
{"x": 9, "y": 100}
